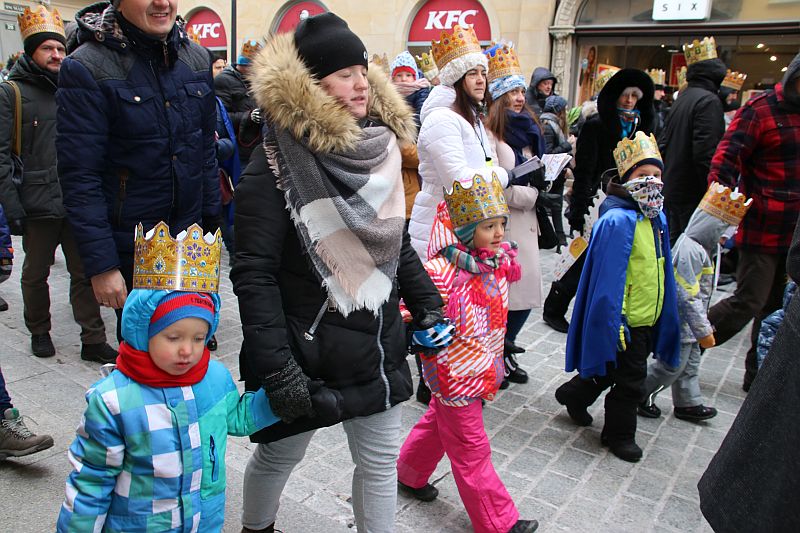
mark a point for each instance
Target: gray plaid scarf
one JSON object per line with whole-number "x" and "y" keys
{"x": 348, "y": 209}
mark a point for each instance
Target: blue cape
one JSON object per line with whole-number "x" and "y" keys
{"x": 597, "y": 315}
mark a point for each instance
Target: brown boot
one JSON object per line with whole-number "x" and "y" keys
{"x": 16, "y": 439}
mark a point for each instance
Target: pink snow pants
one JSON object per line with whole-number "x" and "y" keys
{"x": 459, "y": 432}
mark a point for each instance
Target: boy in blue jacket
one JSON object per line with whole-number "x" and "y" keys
{"x": 626, "y": 305}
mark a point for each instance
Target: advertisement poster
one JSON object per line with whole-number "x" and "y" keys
{"x": 588, "y": 66}
{"x": 677, "y": 61}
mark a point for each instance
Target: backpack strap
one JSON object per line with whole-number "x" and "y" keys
{"x": 16, "y": 145}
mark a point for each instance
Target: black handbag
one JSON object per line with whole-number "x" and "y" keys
{"x": 16, "y": 139}
{"x": 547, "y": 233}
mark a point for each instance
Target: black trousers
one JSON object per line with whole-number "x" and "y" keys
{"x": 126, "y": 269}
{"x": 678, "y": 215}
{"x": 626, "y": 381}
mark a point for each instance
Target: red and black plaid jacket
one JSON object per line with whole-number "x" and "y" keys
{"x": 762, "y": 145}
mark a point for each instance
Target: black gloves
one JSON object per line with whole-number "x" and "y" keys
{"x": 534, "y": 178}
{"x": 16, "y": 226}
{"x": 292, "y": 395}
{"x": 212, "y": 223}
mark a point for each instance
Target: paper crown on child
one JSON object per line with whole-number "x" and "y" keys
{"x": 734, "y": 80}
{"x": 630, "y": 153}
{"x": 481, "y": 200}
{"x": 189, "y": 262}
{"x": 192, "y": 35}
{"x": 604, "y": 76}
{"x": 250, "y": 49}
{"x": 427, "y": 65}
{"x": 40, "y": 20}
{"x": 456, "y": 53}
{"x": 381, "y": 62}
{"x": 682, "y": 83}
{"x": 724, "y": 204}
{"x": 658, "y": 76}
{"x": 697, "y": 51}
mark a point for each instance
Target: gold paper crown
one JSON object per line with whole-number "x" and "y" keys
{"x": 720, "y": 202}
{"x": 479, "y": 201}
{"x": 603, "y": 78}
{"x": 427, "y": 65}
{"x": 503, "y": 63}
{"x": 380, "y": 61}
{"x": 39, "y": 20}
{"x": 250, "y": 48}
{"x": 193, "y": 36}
{"x": 658, "y": 76}
{"x": 188, "y": 263}
{"x": 734, "y": 80}
{"x": 461, "y": 42}
{"x": 630, "y": 152}
{"x": 682, "y": 79}
{"x": 700, "y": 50}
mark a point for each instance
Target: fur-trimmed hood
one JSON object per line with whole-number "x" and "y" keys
{"x": 294, "y": 100}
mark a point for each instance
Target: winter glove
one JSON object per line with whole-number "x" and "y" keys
{"x": 431, "y": 333}
{"x": 16, "y": 226}
{"x": 707, "y": 342}
{"x": 624, "y": 335}
{"x": 212, "y": 223}
{"x": 288, "y": 392}
{"x": 256, "y": 116}
{"x": 538, "y": 181}
{"x": 327, "y": 403}
{"x": 520, "y": 174}
{"x": 576, "y": 219}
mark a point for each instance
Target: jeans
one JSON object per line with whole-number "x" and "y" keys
{"x": 459, "y": 432}
{"x": 683, "y": 379}
{"x": 374, "y": 443}
{"x": 5, "y": 399}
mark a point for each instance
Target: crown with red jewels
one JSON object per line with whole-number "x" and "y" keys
{"x": 189, "y": 262}
{"x": 503, "y": 62}
{"x": 39, "y": 20}
{"x": 193, "y": 36}
{"x": 481, "y": 200}
{"x": 734, "y": 80}
{"x": 460, "y": 42}
{"x": 720, "y": 202}
{"x": 700, "y": 50}
{"x": 250, "y": 48}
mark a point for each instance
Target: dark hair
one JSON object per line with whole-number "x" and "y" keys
{"x": 496, "y": 119}
{"x": 465, "y": 105}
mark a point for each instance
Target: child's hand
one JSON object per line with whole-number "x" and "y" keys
{"x": 707, "y": 342}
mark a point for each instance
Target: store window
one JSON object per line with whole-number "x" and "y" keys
{"x": 613, "y": 12}
{"x": 436, "y": 16}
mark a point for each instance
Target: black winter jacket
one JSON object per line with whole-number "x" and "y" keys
{"x": 231, "y": 87}
{"x": 594, "y": 150}
{"x": 135, "y": 136}
{"x": 40, "y": 195}
{"x": 692, "y": 130}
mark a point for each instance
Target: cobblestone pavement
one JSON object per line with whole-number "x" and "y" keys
{"x": 556, "y": 472}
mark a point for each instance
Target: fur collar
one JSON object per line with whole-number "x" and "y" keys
{"x": 293, "y": 100}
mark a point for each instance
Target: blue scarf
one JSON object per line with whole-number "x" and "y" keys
{"x": 628, "y": 120}
{"x": 522, "y": 132}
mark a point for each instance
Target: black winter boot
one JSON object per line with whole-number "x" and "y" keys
{"x": 524, "y": 526}
{"x": 514, "y": 373}
{"x": 423, "y": 392}
{"x": 555, "y": 307}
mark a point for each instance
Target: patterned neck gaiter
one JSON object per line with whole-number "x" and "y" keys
{"x": 646, "y": 191}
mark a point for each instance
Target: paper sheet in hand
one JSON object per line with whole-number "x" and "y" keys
{"x": 554, "y": 164}
{"x": 534, "y": 163}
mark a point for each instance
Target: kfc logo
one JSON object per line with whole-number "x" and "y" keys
{"x": 209, "y": 29}
{"x": 445, "y": 20}
{"x": 204, "y": 31}
{"x": 436, "y": 16}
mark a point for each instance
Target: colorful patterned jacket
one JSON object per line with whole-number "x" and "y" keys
{"x": 477, "y": 305}
{"x": 153, "y": 459}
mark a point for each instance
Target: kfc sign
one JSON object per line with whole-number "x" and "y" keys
{"x": 436, "y": 16}
{"x": 208, "y": 26}
{"x": 291, "y": 17}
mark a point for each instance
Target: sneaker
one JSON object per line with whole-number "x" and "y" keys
{"x": 524, "y": 526}
{"x": 648, "y": 411}
{"x": 514, "y": 373}
{"x": 3, "y": 305}
{"x": 627, "y": 451}
{"x": 558, "y": 323}
{"x": 212, "y": 344}
{"x": 16, "y": 439}
{"x": 577, "y": 413}
{"x": 428, "y": 493}
{"x": 98, "y": 353}
{"x": 42, "y": 345}
{"x": 695, "y": 413}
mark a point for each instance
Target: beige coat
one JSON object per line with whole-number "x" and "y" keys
{"x": 523, "y": 228}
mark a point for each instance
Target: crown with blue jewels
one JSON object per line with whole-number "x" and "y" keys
{"x": 483, "y": 199}
{"x": 189, "y": 262}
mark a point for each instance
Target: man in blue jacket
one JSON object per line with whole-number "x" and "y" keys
{"x": 136, "y": 120}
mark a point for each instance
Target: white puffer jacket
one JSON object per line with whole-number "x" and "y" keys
{"x": 449, "y": 150}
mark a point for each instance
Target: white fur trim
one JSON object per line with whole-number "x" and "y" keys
{"x": 455, "y": 69}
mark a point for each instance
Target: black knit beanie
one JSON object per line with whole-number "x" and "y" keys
{"x": 326, "y": 45}
{"x": 34, "y": 41}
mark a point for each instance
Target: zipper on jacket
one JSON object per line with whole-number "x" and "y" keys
{"x": 123, "y": 191}
{"x": 388, "y": 404}
{"x": 657, "y": 235}
{"x": 212, "y": 456}
{"x": 309, "y": 333}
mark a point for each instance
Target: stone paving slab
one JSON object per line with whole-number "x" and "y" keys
{"x": 556, "y": 472}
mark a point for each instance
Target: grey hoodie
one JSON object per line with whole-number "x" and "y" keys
{"x": 694, "y": 273}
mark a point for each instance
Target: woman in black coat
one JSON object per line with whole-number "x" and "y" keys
{"x": 322, "y": 258}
